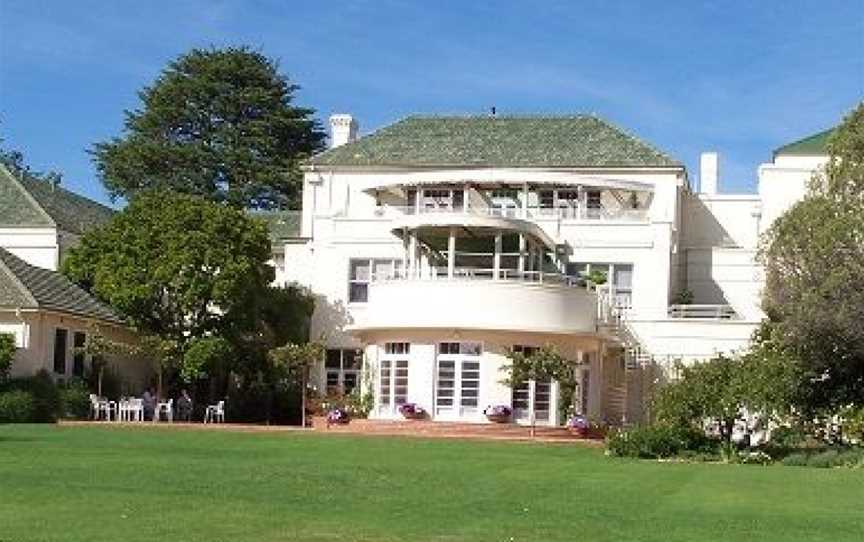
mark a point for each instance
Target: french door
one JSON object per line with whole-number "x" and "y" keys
{"x": 457, "y": 381}
{"x": 533, "y": 397}
{"x": 393, "y": 378}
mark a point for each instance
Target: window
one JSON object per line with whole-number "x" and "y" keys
{"x": 393, "y": 377}
{"x": 60, "y": 340}
{"x": 79, "y": 339}
{"x": 361, "y": 271}
{"x": 531, "y": 396}
{"x": 547, "y": 199}
{"x": 526, "y": 350}
{"x": 342, "y": 369}
{"x": 442, "y": 198}
{"x": 457, "y": 386}
{"x": 397, "y": 348}
{"x": 593, "y": 200}
{"x": 619, "y": 277}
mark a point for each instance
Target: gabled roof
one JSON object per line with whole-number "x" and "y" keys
{"x": 280, "y": 224}
{"x": 814, "y": 145}
{"x": 29, "y": 202}
{"x": 28, "y": 287}
{"x": 500, "y": 141}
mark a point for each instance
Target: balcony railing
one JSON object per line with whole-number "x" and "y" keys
{"x": 532, "y": 213}
{"x": 703, "y": 312}
{"x": 480, "y": 274}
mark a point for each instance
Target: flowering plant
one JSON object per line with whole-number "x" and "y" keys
{"x": 338, "y": 416}
{"x": 412, "y": 410}
{"x": 498, "y": 411}
{"x": 578, "y": 423}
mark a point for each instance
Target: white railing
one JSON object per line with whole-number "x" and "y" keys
{"x": 480, "y": 274}
{"x": 559, "y": 213}
{"x": 703, "y": 312}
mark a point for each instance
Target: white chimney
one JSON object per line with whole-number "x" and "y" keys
{"x": 709, "y": 172}
{"x": 343, "y": 129}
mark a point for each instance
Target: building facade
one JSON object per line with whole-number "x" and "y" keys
{"x": 438, "y": 245}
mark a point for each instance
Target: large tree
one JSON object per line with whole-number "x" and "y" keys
{"x": 814, "y": 262}
{"x": 218, "y": 123}
{"x": 177, "y": 266}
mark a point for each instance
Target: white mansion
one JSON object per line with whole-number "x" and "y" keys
{"x": 436, "y": 245}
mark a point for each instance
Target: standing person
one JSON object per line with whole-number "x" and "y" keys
{"x": 184, "y": 406}
{"x": 149, "y": 401}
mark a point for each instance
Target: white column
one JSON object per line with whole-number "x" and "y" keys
{"x": 524, "y": 200}
{"x": 412, "y": 255}
{"x": 451, "y": 253}
{"x": 496, "y": 265}
{"x": 405, "y": 251}
{"x": 417, "y": 200}
{"x": 521, "y": 254}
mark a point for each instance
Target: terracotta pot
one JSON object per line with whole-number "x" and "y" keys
{"x": 498, "y": 418}
{"x": 581, "y": 432}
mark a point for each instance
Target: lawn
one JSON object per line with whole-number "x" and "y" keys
{"x": 152, "y": 484}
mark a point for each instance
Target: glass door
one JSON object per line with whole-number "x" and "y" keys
{"x": 457, "y": 381}
{"x": 532, "y": 397}
{"x": 393, "y": 378}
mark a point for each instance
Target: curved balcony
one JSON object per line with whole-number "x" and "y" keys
{"x": 530, "y": 302}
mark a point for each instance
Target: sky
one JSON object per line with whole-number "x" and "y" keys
{"x": 739, "y": 78}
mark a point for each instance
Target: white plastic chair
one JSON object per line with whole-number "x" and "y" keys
{"x": 122, "y": 409}
{"x": 108, "y": 408}
{"x": 135, "y": 410}
{"x": 215, "y": 413}
{"x": 94, "y": 406}
{"x": 167, "y": 408}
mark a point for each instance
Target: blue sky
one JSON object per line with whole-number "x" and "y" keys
{"x": 738, "y": 77}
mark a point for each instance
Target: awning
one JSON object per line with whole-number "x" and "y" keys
{"x": 495, "y": 178}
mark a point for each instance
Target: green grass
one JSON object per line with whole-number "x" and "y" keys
{"x": 155, "y": 485}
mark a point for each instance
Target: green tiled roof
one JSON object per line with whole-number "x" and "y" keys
{"x": 816, "y": 144}
{"x": 281, "y": 224}
{"x": 25, "y": 201}
{"x": 502, "y": 141}
{"x": 28, "y": 287}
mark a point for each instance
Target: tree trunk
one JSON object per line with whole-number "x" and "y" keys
{"x": 303, "y": 399}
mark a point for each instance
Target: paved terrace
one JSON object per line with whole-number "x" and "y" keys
{"x": 406, "y": 428}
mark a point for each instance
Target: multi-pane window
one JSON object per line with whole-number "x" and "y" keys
{"x": 531, "y": 396}
{"x": 457, "y": 389}
{"x": 442, "y": 198}
{"x": 342, "y": 368}
{"x": 619, "y": 277}
{"x": 361, "y": 271}
{"x": 61, "y": 337}
{"x": 393, "y": 376}
{"x": 79, "y": 339}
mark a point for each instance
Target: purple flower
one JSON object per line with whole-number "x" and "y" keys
{"x": 578, "y": 422}
{"x": 411, "y": 409}
{"x": 337, "y": 415}
{"x": 498, "y": 411}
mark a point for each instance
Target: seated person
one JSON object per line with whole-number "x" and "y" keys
{"x": 148, "y": 400}
{"x": 184, "y": 407}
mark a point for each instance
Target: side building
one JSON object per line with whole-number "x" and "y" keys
{"x": 50, "y": 317}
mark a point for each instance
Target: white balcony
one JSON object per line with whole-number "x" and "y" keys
{"x": 472, "y": 299}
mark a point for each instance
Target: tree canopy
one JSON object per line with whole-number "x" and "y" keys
{"x": 218, "y": 123}
{"x": 814, "y": 262}
{"x": 176, "y": 266}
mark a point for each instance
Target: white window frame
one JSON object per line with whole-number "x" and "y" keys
{"x": 457, "y": 410}
{"x": 372, "y": 262}
{"x": 392, "y": 359}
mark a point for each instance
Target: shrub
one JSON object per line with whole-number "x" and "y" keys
{"x": 16, "y": 406}
{"x": 799, "y": 459}
{"x": 75, "y": 398}
{"x": 824, "y": 460}
{"x": 47, "y": 405}
{"x": 788, "y": 437}
{"x": 7, "y": 354}
{"x": 659, "y": 441}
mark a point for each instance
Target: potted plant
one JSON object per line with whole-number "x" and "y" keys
{"x": 412, "y": 411}
{"x": 498, "y": 413}
{"x": 337, "y": 416}
{"x": 578, "y": 425}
